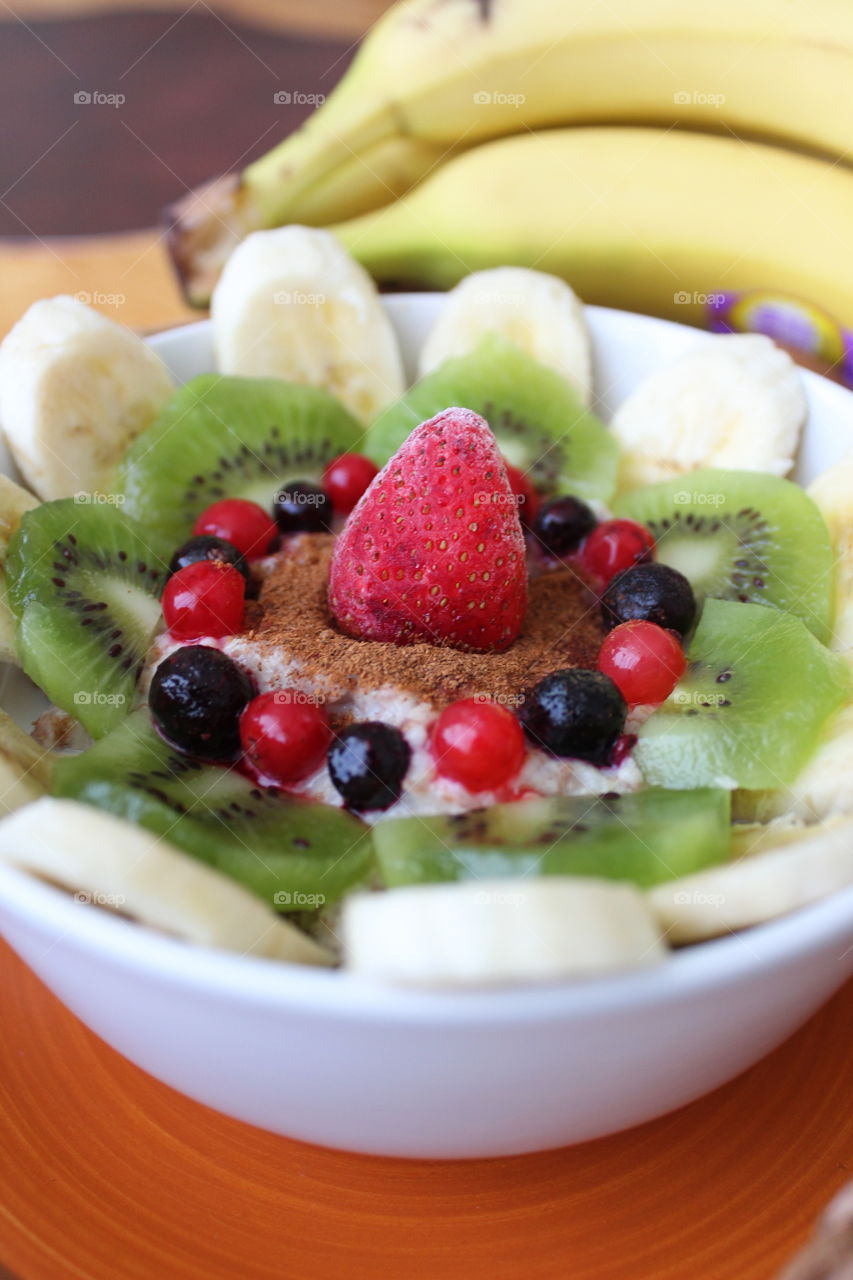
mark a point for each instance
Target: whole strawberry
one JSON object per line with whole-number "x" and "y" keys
{"x": 433, "y": 552}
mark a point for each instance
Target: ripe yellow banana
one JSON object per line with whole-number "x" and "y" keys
{"x": 439, "y": 74}
{"x": 208, "y": 224}
{"x": 647, "y": 219}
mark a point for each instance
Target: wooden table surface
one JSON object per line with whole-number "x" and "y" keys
{"x": 107, "y": 1175}
{"x": 78, "y": 181}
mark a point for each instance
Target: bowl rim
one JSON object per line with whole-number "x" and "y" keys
{"x": 274, "y": 984}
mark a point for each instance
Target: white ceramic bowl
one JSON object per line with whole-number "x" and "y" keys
{"x": 335, "y": 1060}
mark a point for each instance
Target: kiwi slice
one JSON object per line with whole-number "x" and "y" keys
{"x": 540, "y": 423}
{"x": 222, "y": 437}
{"x": 84, "y": 580}
{"x": 292, "y": 853}
{"x": 648, "y": 837}
{"x": 751, "y": 706}
{"x": 742, "y": 535}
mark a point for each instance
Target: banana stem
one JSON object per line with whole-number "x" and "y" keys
{"x": 275, "y": 185}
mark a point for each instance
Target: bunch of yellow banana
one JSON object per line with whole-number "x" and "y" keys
{"x": 464, "y": 101}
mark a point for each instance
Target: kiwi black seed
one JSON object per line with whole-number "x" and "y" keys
{"x": 222, "y": 437}
{"x": 85, "y": 581}
{"x": 751, "y": 705}
{"x": 647, "y": 837}
{"x": 294, "y": 854}
{"x": 540, "y": 422}
{"x": 743, "y": 536}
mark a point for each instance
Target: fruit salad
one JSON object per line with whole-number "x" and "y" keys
{"x": 452, "y": 684}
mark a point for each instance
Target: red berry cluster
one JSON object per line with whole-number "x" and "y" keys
{"x": 284, "y": 735}
{"x": 206, "y": 598}
{"x": 645, "y": 661}
{"x": 480, "y": 744}
{"x": 474, "y": 742}
{"x": 252, "y": 530}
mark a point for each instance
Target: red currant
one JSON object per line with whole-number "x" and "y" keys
{"x": 644, "y": 661}
{"x": 622, "y": 748}
{"x": 346, "y": 478}
{"x": 528, "y": 498}
{"x": 242, "y": 523}
{"x": 284, "y": 735}
{"x": 615, "y": 545}
{"x": 479, "y": 744}
{"x": 206, "y": 598}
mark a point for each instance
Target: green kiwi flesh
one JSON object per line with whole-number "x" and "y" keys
{"x": 227, "y": 437}
{"x": 750, "y": 708}
{"x": 84, "y": 581}
{"x": 646, "y": 838}
{"x": 292, "y": 853}
{"x": 539, "y": 421}
{"x": 741, "y": 535}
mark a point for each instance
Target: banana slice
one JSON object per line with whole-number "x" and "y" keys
{"x": 833, "y": 493}
{"x": 110, "y": 862}
{"x": 291, "y": 303}
{"x": 731, "y": 401}
{"x": 25, "y": 768}
{"x": 822, "y": 789}
{"x": 75, "y": 389}
{"x": 492, "y": 932}
{"x": 785, "y": 868}
{"x": 14, "y": 501}
{"x": 536, "y": 311}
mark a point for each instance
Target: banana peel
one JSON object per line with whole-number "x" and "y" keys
{"x": 431, "y": 79}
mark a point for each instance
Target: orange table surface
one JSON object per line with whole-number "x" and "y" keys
{"x": 109, "y": 1175}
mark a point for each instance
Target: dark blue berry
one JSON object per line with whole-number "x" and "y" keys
{"x": 207, "y": 547}
{"x": 195, "y": 699}
{"x": 575, "y": 713}
{"x": 654, "y": 592}
{"x": 561, "y": 524}
{"x": 367, "y": 764}
{"x": 302, "y": 507}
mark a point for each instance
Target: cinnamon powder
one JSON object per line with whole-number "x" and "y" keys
{"x": 562, "y": 628}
